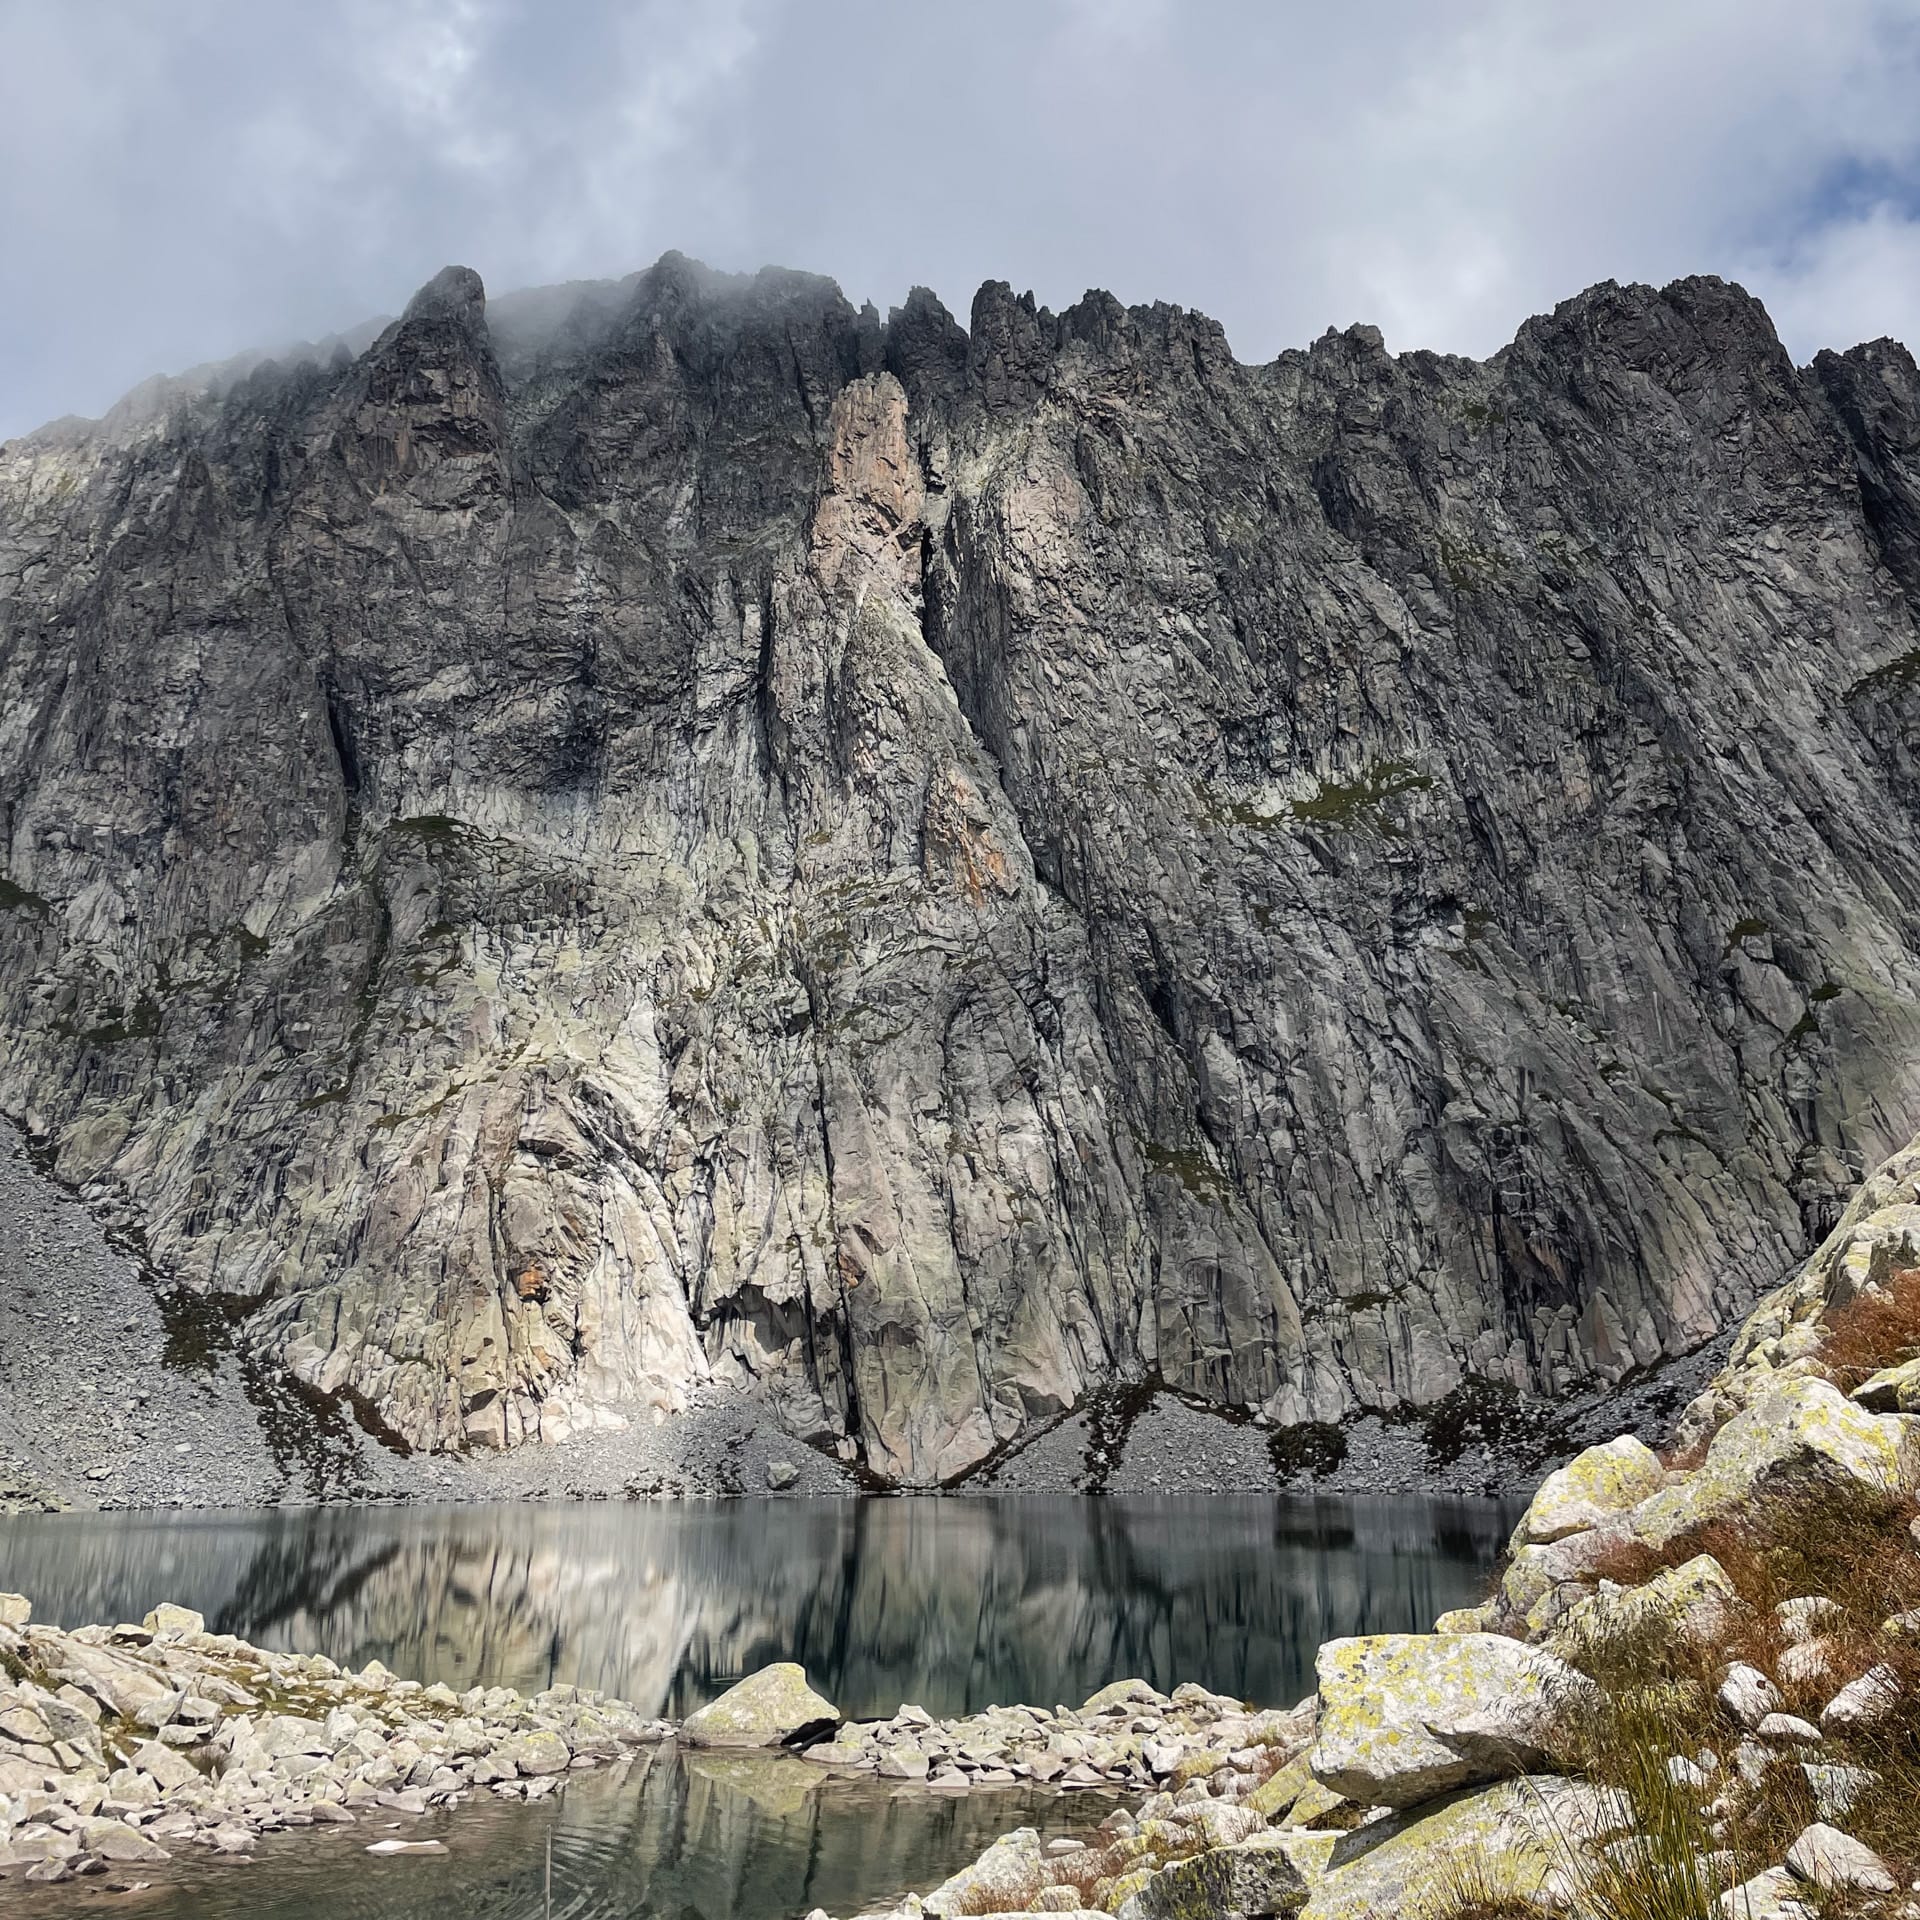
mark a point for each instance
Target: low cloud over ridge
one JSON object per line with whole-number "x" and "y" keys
{"x": 178, "y": 183}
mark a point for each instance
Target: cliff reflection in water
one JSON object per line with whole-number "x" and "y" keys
{"x": 953, "y": 1603}
{"x": 697, "y": 1836}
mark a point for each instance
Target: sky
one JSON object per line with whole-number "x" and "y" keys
{"x": 182, "y": 179}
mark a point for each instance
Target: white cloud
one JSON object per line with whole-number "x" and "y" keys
{"x": 260, "y": 173}
{"x": 1853, "y": 280}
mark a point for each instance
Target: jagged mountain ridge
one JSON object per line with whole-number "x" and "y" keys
{"x": 932, "y": 869}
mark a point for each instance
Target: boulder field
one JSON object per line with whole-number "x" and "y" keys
{"x": 120, "y": 1746}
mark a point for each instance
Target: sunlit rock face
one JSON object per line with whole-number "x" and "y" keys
{"x": 675, "y": 830}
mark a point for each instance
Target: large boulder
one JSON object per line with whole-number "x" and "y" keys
{"x": 1838, "y": 1863}
{"x": 1517, "y": 1832}
{"x": 121, "y": 1686}
{"x": 1407, "y": 1716}
{"x": 1597, "y": 1485}
{"x": 1892, "y": 1390}
{"x": 1801, "y": 1432}
{"x": 1541, "y": 1582}
{"x": 1695, "y": 1602}
{"x": 772, "y": 1708}
{"x": 167, "y": 1618}
{"x": 1003, "y": 1880}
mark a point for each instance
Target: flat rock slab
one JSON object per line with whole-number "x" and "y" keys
{"x": 1837, "y": 1862}
{"x": 1513, "y": 1827}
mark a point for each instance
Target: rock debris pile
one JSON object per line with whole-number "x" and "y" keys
{"x": 1196, "y": 1743}
{"x": 124, "y": 1745}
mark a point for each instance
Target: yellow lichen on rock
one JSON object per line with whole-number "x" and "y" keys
{"x": 1801, "y": 1429}
{"x": 1405, "y": 1716}
{"x": 1599, "y": 1483}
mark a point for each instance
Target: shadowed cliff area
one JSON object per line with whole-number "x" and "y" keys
{"x": 674, "y": 831}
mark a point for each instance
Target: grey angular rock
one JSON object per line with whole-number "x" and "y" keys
{"x": 1767, "y": 1896}
{"x": 1790, "y": 1729}
{"x": 1252, "y": 1876}
{"x": 698, "y": 835}
{"x": 168, "y": 1618}
{"x": 1837, "y": 1789}
{"x": 1863, "y": 1702}
{"x": 1838, "y": 1862}
{"x": 1747, "y": 1695}
{"x": 116, "y": 1841}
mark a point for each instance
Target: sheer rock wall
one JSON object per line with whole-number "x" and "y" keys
{"x": 683, "y": 831}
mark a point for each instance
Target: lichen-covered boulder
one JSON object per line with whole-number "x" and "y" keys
{"x": 1407, "y": 1716}
{"x": 1003, "y": 1880}
{"x": 1516, "y": 1831}
{"x": 1601, "y": 1483}
{"x": 1541, "y": 1582}
{"x": 1695, "y": 1601}
{"x": 772, "y": 1708}
{"x": 1259, "y": 1875}
{"x": 1125, "y": 1693}
{"x": 1891, "y": 1390}
{"x": 1801, "y": 1431}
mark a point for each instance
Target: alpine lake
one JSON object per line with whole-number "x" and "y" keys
{"x": 953, "y": 1604}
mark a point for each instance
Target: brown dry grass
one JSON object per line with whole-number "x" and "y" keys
{"x": 1877, "y": 1328}
{"x": 1855, "y": 1549}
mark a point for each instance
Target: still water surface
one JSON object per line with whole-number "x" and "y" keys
{"x": 955, "y": 1604}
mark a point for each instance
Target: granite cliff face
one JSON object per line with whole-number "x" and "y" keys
{"x": 674, "y": 830}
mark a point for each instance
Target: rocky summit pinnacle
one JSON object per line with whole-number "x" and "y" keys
{"x": 672, "y": 831}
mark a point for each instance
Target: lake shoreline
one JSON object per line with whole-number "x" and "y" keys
{"x": 128, "y": 1749}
